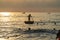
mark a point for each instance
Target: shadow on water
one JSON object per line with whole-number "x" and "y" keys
{"x": 41, "y": 31}
{"x": 17, "y": 32}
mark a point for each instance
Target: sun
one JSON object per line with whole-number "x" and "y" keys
{"x": 5, "y": 13}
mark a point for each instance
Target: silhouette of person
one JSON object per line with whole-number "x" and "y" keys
{"x": 54, "y": 29}
{"x": 29, "y": 28}
{"x": 58, "y": 35}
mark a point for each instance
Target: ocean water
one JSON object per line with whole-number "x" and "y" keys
{"x": 10, "y": 22}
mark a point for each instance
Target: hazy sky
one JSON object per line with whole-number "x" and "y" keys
{"x": 30, "y": 5}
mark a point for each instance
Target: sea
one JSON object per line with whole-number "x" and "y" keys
{"x": 13, "y": 26}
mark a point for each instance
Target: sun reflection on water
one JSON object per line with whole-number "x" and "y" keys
{"x": 2, "y": 39}
{"x": 5, "y": 13}
{"x": 3, "y": 16}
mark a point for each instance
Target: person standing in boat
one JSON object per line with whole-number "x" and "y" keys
{"x": 58, "y": 35}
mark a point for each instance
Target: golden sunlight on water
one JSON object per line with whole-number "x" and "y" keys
{"x": 2, "y": 39}
{"x": 7, "y": 39}
{"x": 3, "y": 16}
{"x": 10, "y": 22}
{"x": 11, "y": 19}
{"x": 4, "y": 13}
{"x": 16, "y": 19}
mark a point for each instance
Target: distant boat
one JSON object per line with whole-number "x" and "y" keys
{"x": 29, "y": 20}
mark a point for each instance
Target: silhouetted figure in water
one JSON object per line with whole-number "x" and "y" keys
{"x": 58, "y": 35}
{"x": 29, "y": 20}
{"x": 29, "y": 28}
{"x": 55, "y": 23}
{"x": 37, "y": 23}
{"x": 54, "y": 29}
{"x": 19, "y": 29}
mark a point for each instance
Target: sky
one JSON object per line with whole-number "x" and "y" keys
{"x": 30, "y": 5}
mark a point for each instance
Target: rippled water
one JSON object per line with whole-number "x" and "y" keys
{"x": 15, "y": 34}
{"x": 10, "y": 23}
